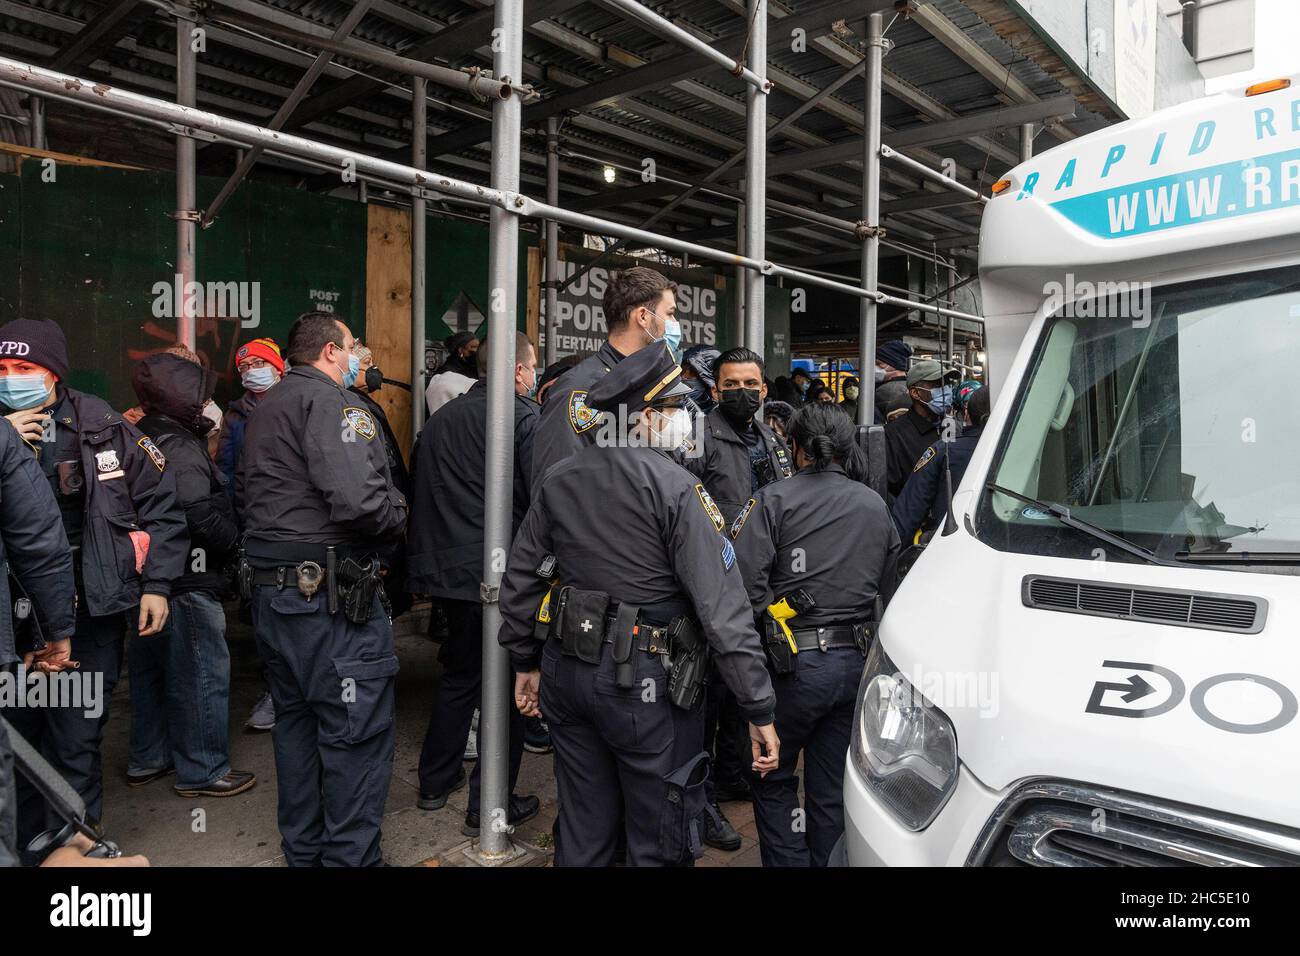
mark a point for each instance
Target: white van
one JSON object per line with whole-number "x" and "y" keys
{"x": 1097, "y": 662}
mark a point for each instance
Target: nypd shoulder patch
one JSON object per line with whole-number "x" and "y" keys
{"x": 711, "y": 508}
{"x": 359, "y": 420}
{"x": 581, "y": 416}
{"x": 728, "y": 555}
{"x": 155, "y": 454}
{"x": 740, "y": 518}
{"x": 925, "y": 459}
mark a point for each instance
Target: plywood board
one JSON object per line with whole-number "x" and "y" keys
{"x": 388, "y": 312}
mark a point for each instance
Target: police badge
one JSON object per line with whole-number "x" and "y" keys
{"x": 107, "y": 465}
{"x": 581, "y": 417}
{"x": 359, "y": 420}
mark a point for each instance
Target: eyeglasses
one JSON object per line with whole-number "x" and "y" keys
{"x": 245, "y": 366}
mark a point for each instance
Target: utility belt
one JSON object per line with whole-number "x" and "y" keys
{"x": 782, "y": 655}
{"x": 584, "y": 621}
{"x": 350, "y": 583}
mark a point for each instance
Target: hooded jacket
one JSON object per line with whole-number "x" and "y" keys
{"x": 173, "y": 392}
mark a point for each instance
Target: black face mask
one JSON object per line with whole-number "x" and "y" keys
{"x": 740, "y": 404}
{"x": 374, "y": 379}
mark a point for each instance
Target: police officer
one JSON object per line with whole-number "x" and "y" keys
{"x": 322, "y": 516}
{"x": 631, "y": 551}
{"x": 445, "y": 548}
{"x": 126, "y": 529}
{"x": 738, "y": 454}
{"x": 923, "y": 503}
{"x": 822, "y": 544}
{"x": 640, "y": 307}
{"x": 907, "y": 436}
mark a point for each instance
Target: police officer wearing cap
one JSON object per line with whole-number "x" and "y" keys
{"x": 623, "y": 552}
{"x": 126, "y": 528}
{"x": 909, "y": 435}
{"x": 640, "y": 307}
{"x": 923, "y": 503}
{"x": 321, "y": 518}
{"x": 815, "y": 551}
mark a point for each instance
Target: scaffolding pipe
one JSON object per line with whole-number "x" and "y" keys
{"x": 36, "y": 123}
{"x": 188, "y": 121}
{"x": 1026, "y": 142}
{"x": 931, "y": 174}
{"x": 466, "y": 81}
{"x": 419, "y": 225}
{"x": 756, "y": 178}
{"x": 872, "y": 151}
{"x": 741, "y": 273}
{"x": 666, "y": 28}
{"x": 187, "y": 213}
{"x": 552, "y": 270}
{"x": 503, "y": 278}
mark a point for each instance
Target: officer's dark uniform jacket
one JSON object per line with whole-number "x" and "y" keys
{"x": 314, "y": 472}
{"x": 724, "y": 464}
{"x": 125, "y": 488}
{"x": 445, "y": 539}
{"x": 823, "y": 532}
{"x": 906, "y": 439}
{"x": 632, "y": 523}
{"x": 33, "y": 546}
{"x": 396, "y": 466}
{"x": 926, "y": 491}
{"x": 567, "y": 425}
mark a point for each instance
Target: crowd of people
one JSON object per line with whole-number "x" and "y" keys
{"x": 664, "y": 644}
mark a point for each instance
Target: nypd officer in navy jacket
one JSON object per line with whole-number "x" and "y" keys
{"x": 826, "y": 533}
{"x": 124, "y": 524}
{"x": 640, "y": 307}
{"x": 317, "y": 492}
{"x": 445, "y": 559}
{"x": 632, "y": 552}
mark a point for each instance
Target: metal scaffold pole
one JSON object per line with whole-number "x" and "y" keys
{"x": 870, "y": 216}
{"x": 186, "y": 213}
{"x": 36, "y": 123}
{"x": 552, "y": 236}
{"x": 756, "y": 176}
{"x": 503, "y": 276}
{"x": 419, "y": 223}
{"x": 1026, "y": 142}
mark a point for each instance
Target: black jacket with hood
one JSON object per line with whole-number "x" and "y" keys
{"x": 173, "y": 392}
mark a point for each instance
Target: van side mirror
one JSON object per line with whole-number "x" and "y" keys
{"x": 872, "y": 440}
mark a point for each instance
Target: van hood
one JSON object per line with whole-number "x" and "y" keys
{"x": 1198, "y": 716}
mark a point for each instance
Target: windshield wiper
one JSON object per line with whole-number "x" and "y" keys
{"x": 1238, "y": 557}
{"x": 1062, "y": 514}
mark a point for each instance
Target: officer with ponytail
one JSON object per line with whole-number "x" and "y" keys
{"x": 815, "y": 552}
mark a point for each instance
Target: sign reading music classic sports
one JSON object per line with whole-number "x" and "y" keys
{"x": 700, "y": 301}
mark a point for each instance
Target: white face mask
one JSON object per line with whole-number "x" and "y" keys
{"x": 674, "y": 430}
{"x": 213, "y": 414}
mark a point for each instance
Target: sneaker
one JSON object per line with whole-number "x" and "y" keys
{"x": 436, "y": 801}
{"x": 471, "y": 742}
{"x": 719, "y": 833}
{"x": 537, "y": 736}
{"x": 236, "y": 781}
{"x": 522, "y": 809}
{"x": 263, "y": 716}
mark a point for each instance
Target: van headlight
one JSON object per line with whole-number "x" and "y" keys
{"x": 904, "y": 747}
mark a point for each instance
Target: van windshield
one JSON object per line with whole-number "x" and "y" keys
{"x": 1167, "y": 417}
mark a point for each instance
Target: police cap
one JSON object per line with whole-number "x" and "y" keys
{"x": 647, "y": 377}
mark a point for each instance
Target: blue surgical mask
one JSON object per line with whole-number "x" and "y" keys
{"x": 941, "y": 399}
{"x": 673, "y": 336}
{"x": 350, "y": 376}
{"x": 23, "y": 391}
{"x": 259, "y": 379}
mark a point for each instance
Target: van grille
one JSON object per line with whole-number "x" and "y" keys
{"x": 1217, "y": 612}
{"x": 1057, "y": 823}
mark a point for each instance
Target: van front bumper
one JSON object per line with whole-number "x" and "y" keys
{"x": 872, "y": 837}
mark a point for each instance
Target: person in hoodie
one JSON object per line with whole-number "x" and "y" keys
{"x": 260, "y": 366}
{"x": 180, "y": 679}
{"x": 127, "y": 532}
